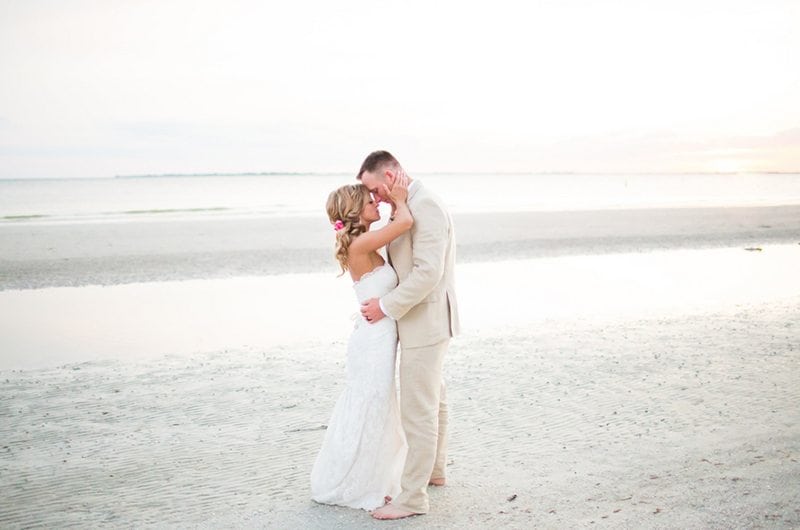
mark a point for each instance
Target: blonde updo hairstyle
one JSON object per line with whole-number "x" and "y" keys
{"x": 346, "y": 204}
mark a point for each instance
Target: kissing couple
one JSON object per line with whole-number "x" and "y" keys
{"x": 377, "y": 456}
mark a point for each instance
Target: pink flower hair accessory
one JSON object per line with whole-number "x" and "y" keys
{"x": 338, "y": 225}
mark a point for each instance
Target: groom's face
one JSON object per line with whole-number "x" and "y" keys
{"x": 374, "y": 181}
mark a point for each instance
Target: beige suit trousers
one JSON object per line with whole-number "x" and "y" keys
{"x": 423, "y": 406}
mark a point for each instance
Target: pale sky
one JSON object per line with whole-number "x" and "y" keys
{"x": 104, "y": 88}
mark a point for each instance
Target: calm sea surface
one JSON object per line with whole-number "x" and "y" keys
{"x": 140, "y": 198}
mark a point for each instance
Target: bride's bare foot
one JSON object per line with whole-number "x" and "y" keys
{"x": 436, "y": 482}
{"x": 391, "y": 512}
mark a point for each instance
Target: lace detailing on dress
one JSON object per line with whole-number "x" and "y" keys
{"x": 368, "y": 274}
{"x": 364, "y": 449}
{"x": 375, "y": 283}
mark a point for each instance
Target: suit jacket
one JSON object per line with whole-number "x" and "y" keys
{"x": 424, "y": 302}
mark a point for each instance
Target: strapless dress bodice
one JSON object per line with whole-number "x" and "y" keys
{"x": 375, "y": 283}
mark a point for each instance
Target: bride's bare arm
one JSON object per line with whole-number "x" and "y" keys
{"x": 403, "y": 221}
{"x": 375, "y": 239}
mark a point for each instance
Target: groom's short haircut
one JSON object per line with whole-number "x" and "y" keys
{"x": 375, "y": 161}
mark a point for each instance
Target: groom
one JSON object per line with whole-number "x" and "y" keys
{"x": 424, "y": 306}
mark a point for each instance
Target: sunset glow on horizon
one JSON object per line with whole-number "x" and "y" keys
{"x": 97, "y": 89}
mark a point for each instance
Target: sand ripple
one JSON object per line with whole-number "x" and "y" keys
{"x": 685, "y": 422}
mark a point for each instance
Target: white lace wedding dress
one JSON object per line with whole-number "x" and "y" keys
{"x": 364, "y": 450}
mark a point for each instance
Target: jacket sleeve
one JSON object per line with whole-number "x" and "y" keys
{"x": 429, "y": 238}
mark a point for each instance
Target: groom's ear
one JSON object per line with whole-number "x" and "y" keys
{"x": 390, "y": 177}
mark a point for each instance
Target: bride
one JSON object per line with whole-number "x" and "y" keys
{"x": 362, "y": 455}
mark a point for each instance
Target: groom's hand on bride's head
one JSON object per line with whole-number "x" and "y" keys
{"x": 371, "y": 310}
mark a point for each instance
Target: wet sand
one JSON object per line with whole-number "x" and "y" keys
{"x": 41, "y": 328}
{"x": 683, "y": 422}
{"x": 39, "y": 254}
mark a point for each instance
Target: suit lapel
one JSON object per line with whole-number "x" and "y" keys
{"x": 411, "y": 194}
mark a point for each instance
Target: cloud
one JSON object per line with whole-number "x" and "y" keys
{"x": 669, "y": 151}
{"x": 521, "y": 86}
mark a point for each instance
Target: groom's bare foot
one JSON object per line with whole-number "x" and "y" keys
{"x": 391, "y": 512}
{"x": 436, "y": 482}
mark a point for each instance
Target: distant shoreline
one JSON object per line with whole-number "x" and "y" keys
{"x": 421, "y": 173}
{"x": 479, "y": 173}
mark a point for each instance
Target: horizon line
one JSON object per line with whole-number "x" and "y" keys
{"x": 348, "y": 173}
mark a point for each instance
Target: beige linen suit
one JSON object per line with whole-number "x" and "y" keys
{"x": 424, "y": 305}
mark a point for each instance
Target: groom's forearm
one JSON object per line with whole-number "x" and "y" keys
{"x": 429, "y": 242}
{"x": 413, "y": 290}
{"x": 383, "y": 309}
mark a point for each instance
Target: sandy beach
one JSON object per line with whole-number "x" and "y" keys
{"x": 641, "y": 371}
{"x": 618, "y": 187}
{"x": 683, "y": 422}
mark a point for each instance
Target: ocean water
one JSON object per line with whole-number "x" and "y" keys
{"x": 140, "y": 321}
{"x": 142, "y": 198}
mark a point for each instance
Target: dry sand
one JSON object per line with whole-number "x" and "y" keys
{"x": 683, "y": 422}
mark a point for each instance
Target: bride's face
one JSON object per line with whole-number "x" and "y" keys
{"x": 370, "y": 213}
